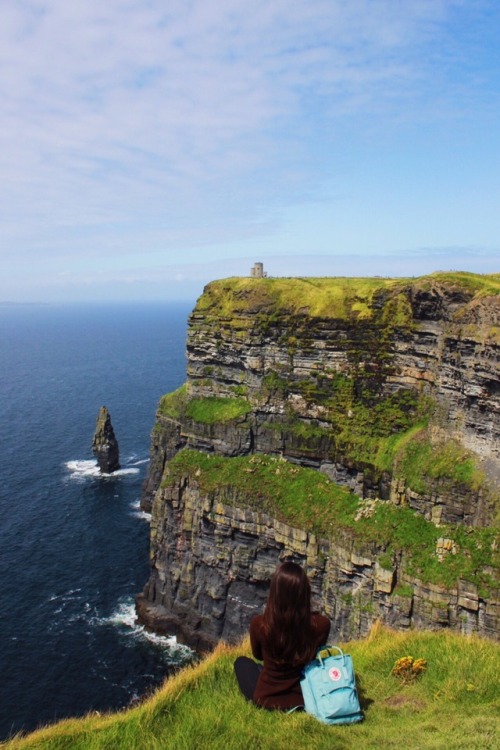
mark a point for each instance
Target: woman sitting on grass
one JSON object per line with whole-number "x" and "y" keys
{"x": 285, "y": 638}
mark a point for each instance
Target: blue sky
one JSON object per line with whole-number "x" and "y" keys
{"x": 147, "y": 147}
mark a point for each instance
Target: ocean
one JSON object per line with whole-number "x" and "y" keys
{"x": 74, "y": 544}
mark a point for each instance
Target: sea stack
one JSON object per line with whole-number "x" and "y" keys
{"x": 105, "y": 445}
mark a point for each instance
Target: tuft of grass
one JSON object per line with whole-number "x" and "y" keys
{"x": 403, "y": 589}
{"x": 201, "y": 706}
{"x": 477, "y": 284}
{"x": 215, "y": 409}
{"x": 173, "y": 404}
{"x": 209, "y": 410}
{"x": 388, "y": 449}
{"x": 422, "y": 462}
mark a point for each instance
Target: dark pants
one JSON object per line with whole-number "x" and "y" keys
{"x": 247, "y": 672}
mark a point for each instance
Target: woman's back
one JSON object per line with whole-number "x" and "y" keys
{"x": 285, "y": 637}
{"x": 278, "y": 684}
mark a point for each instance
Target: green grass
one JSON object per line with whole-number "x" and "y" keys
{"x": 478, "y": 284}
{"x": 209, "y": 410}
{"x": 454, "y": 706}
{"x": 341, "y": 298}
{"x": 303, "y": 497}
{"x": 321, "y": 297}
{"x": 308, "y": 500}
{"x": 362, "y": 423}
{"x": 422, "y": 462}
{"x": 403, "y": 589}
{"x": 214, "y": 409}
{"x": 370, "y": 427}
{"x": 388, "y": 433}
{"x": 333, "y": 297}
{"x": 387, "y": 449}
{"x": 173, "y": 404}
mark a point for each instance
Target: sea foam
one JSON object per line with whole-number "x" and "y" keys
{"x": 84, "y": 469}
{"x": 138, "y": 513}
{"x": 124, "y": 617}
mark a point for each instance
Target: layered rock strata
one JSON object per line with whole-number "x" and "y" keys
{"x": 446, "y": 344}
{"x": 432, "y": 338}
{"x": 212, "y": 561}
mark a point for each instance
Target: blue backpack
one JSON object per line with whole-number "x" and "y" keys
{"x": 329, "y": 688}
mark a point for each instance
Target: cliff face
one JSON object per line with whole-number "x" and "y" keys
{"x": 389, "y": 388}
{"x": 434, "y": 338}
{"x": 212, "y": 561}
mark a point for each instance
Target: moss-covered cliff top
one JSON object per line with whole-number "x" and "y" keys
{"x": 335, "y": 297}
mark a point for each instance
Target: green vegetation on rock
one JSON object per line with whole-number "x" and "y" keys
{"x": 424, "y": 461}
{"x": 387, "y": 432}
{"x": 173, "y": 404}
{"x": 403, "y": 589}
{"x": 302, "y": 497}
{"x": 210, "y": 410}
{"x": 214, "y": 409}
{"x": 366, "y": 423}
{"x": 306, "y": 499}
{"x": 341, "y": 298}
{"x": 477, "y": 284}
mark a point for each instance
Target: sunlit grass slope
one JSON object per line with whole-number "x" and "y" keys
{"x": 454, "y": 705}
{"x": 335, "y": 297}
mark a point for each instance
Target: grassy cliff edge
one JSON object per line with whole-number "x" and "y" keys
{"x": 454, "y": 704}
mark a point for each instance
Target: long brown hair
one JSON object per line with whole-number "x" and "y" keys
{"x": 287, "y": 616}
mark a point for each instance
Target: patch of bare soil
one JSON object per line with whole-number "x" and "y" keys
{"x": 404, "y": 701}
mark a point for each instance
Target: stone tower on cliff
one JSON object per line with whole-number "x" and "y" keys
{"x": 257, "y": 271}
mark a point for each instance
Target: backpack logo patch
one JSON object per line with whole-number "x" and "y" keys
{"x": 335, "y": 674}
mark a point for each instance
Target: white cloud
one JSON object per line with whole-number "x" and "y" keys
{"x": 127, "y": 127}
